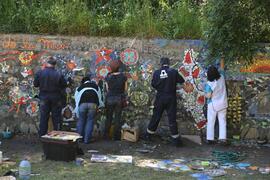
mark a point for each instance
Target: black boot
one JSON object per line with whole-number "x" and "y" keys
{"x": 147, "y": 136}
{"x": 176, "y": 141}
{"x": 210, "y": 142}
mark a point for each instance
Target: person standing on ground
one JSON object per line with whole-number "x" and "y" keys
{"x": 87, "y": 100}
{"x": 216, "y": 95}
{"x": 51, "y": 84}
{"x": 116, "y": 84}
{"x": 164, "y": 81}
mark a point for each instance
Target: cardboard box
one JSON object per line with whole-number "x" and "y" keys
{"x": 131, "y": 134}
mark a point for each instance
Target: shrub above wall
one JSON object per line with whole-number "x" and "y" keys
{"x": 112, "y": 18}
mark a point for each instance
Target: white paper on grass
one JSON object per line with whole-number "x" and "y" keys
{"x": 111, "y": 158}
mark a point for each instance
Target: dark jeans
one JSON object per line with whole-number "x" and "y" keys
{"x": 162, "y": 103}
{"x": 50, "y": 105}
{"x": 85, "y": 123}
{"x": 113, "y": 114}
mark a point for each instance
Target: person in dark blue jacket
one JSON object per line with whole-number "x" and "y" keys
{"x": 51, "y": 84}
{"x": 164, "y": 81}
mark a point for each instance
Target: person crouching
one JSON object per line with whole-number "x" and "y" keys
{"x": 87, "y": 100}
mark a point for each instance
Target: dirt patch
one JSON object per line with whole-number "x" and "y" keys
{"x": 20, "y": 146}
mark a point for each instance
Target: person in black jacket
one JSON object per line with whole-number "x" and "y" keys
{"x": 51, "y": 84}
{"x": 87, "y": 101}
{"x": 164, "y": 81}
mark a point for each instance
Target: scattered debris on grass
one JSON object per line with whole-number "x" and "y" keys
{"x": 92, "y": 151}
{"x": 111, "y": 158}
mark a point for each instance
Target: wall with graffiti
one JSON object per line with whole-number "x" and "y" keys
{"x": 22, "y": 55}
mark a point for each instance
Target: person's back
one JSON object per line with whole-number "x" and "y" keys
{"x": 50, "y": 82}
{"x": 86, "y": 101}
{"x": 219, "y": 94}
{"x": 51, "y": 86}
{"x": 116, "y": 84}
{"x": 215, "y": 91}
{"x": 165, "y": 80}
{"x": 89, "y": 96}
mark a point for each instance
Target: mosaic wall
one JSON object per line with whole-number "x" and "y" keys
{"x": 22, "y": 55}
{"x": 249, "y": 97}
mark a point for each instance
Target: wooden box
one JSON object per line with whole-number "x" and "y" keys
{"x": 60, "y": 145}
{"x": 131, "y": 134}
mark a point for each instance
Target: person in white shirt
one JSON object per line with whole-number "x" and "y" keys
{"x": 216, "y": 95}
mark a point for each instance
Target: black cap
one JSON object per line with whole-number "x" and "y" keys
{"x": 164, "y": 61}
{"x": 51, "y": 61}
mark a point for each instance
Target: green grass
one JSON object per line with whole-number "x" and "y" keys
{"x": 60, "y": 170}
{"x": 52, "y": 170}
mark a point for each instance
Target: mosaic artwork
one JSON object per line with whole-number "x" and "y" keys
{"x": 33, "y": 108}
{"x": 192, "y": 92}
{"x": 139, "y": 75}
{"x": 138, "y": 98}
{"x": 101, "y": 59}
{"x": 129, "y": 56}
{"x": 21, "y": 58}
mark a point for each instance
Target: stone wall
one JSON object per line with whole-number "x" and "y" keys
{"x": 22, "y": 55}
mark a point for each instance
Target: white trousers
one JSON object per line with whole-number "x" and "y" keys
{"x": 211, "y": 118}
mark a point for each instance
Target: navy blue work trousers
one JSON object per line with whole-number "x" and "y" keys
{"x": 168, "y": 103}
{"x": 50, "y": 105}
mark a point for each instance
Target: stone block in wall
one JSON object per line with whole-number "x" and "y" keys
{"x": 3, "y": 127}
{"x": 251, "y": 133}
{"x": 24, "y": 127}
{"x": 3, "y": 111}
{"x": 33, "y": 129}
{"x": 244, "y": 131}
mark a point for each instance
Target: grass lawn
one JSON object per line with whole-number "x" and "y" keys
{"x": 103, "y": 171}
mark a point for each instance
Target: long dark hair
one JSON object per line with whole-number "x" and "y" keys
{"x": 212, "y": 74}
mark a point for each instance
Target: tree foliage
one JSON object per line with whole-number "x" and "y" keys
{"x": 233, "y": 28}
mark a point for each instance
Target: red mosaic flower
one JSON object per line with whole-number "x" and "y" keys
{"x": 196, "y": 72}
{"x": 26, "y": 58}
{"x": 183, "y": 71}
{"x": 188, "y": 59}
{"x": 201, "y": 124}
{"x": 103, "y": 54}
{"x": 201, "y": 100}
